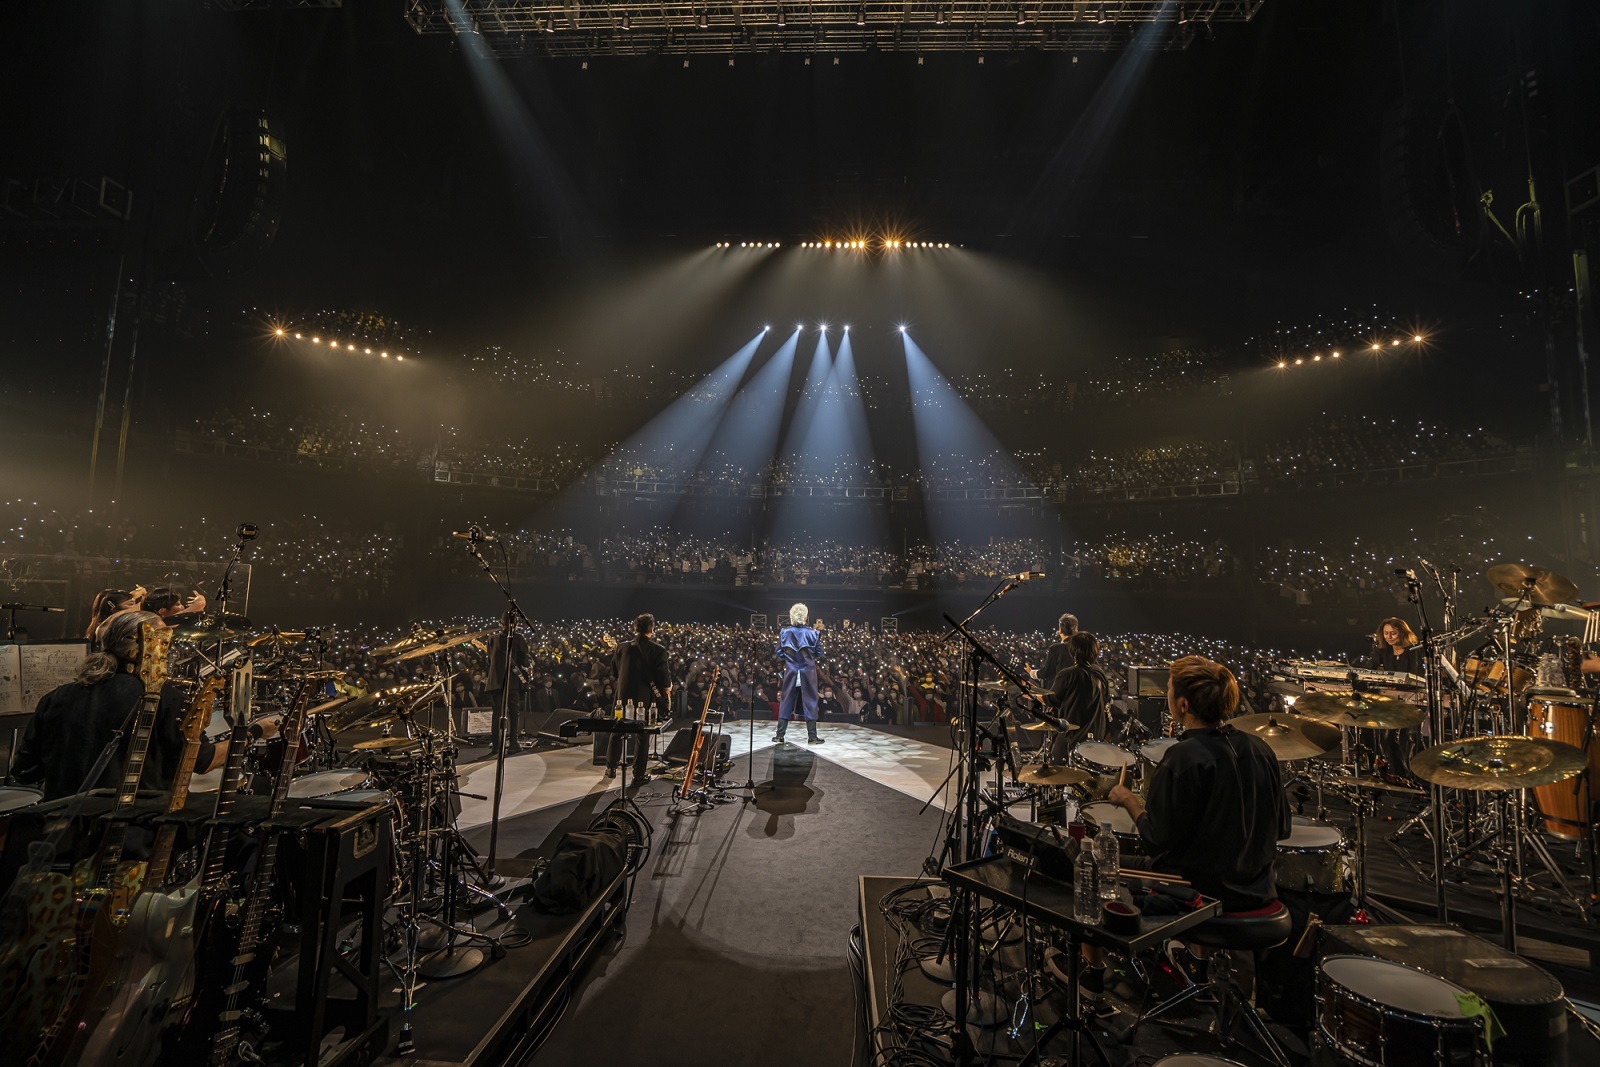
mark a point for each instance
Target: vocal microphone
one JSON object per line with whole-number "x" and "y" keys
{"x": 473, "y": 533}
{"x": 1406, "y": 573}
{"x": 247, "y": 531}
{"x": 30, "y": 607}
{"x": 1025, "y": 576}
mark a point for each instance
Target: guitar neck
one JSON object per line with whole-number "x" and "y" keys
{"x": 153, "y": 645}
{"x": 194, "y": 722}
{"x": 214, "y": 856}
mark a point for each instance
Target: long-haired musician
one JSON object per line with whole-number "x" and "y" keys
{"x": 1396, "y": 649}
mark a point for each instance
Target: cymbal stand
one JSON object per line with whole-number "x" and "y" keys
{"x": 1430, "y": 672}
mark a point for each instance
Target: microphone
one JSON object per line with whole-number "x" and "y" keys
{"x": 474, "y": 534}
{"x": 30, "y": 607}
{"x": 247, "y": 531}
{"x": 1025, "y": 576}
{"x": 1406, "y": 573}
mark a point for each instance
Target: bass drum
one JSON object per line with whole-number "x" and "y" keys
{"x": 1312, "y": 858}
{"x": 1385, "y": 1014}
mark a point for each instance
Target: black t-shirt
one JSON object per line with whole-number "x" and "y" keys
{"x": 1079, "y": 693}
{"x": 1384, "y": 659}
{"x": 73, "y": 723}
{"x": 1215, "y": 815}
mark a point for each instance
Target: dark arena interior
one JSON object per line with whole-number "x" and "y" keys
{"x": 831, "y": 533}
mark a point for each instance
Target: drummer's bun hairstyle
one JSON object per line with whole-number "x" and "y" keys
{"x": 1210, "y": 688}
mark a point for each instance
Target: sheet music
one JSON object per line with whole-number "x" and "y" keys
{"x": 10, "y": 679}
{"x": 28, "y": 672}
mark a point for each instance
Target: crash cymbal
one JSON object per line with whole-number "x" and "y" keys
{"x": 1543, "y": 586}
{"x": 1341, "y": 707}
{"x": 439, "y": 646}
{"x": 212, "y": 627}
{"x": 1290, "y": 737}
{"x": 386, "y": 744}
{"x": 277, "y": 637}
{"x": 1065, "y": 727}
{"x": 327, "y": 706}
{"x": 359, "y": 710}
{"x": 1052, "y": 774}
{"x": 1503, "y": 761}
{"x": 419, "y": 636}
{"x": 1372, "y": 785}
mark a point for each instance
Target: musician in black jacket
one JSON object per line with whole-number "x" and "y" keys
{"x": 641, "y": 667}
{"x": 1058, "y": 657}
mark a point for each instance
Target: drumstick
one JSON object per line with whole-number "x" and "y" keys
{"x": 1122, "y": 774}
{"x": 1151, "y": 876}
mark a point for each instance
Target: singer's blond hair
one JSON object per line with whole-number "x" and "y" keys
{"x": 798, "y": 615}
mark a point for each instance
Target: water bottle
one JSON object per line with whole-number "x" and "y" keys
{"x": 650, "y": 717}
{"x": 627, "y": 710}
{"x": 1086, "y": 888}
{"x": 1108, "y": 857}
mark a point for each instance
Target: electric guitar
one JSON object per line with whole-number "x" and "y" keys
{"x": 103, "y": 906}
{"x": 213, "y": 1024}
{"x": 126, "y": 1013}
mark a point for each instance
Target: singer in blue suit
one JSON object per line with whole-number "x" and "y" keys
{"x": 799, "y": 646}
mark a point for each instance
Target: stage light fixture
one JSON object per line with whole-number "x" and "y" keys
{"x": 1376, "y": 347}
{"x": 297, "y": 337}
{"x": 704, "y": 21}
{"x": 861, "y": 15}
{"x": 1282, "y": 364}
{"x": 780, "y": 16}
{"x": 765, "y": 328}
{"x": 369, "y": 351}
{"x": 1317, "y": 358}
{"x": 316, "y": 340}
{"x": 847, "y": 327}
{"x": 1299, "y": 361}
{"x": 902, "y": 328}
{"x": 1417, "y": 338}
{"x": 351, "y": 348}
{"x": 279, "y": 331}
{"x": 385, "y": 355}
{"x": 1395, "y": 343}
{"x": 400, "y": 359}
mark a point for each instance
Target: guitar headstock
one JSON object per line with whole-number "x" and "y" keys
{"x": 155, "y": 642}
{"x": 198, "y": 713}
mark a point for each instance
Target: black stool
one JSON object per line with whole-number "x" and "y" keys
{"x": 1253, "y": 932}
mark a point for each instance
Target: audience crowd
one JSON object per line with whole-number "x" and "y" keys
{"x": 1340, "y": 444}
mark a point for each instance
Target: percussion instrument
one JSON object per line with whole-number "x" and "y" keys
{"x": 1107, "y": 763}
{"x": 1055, "y": 774}
{"x": 1291, "y": 737}
{"x": 1379, "y": 1013}
{"x": 1502, "y": 761}
{"x": 1152, "y": 751}
{"x": 1108, "y": 817}
{"x": 1312, "y": 858}
{"x": 13, "y": 797}
{"x": 1542, "y": 587}
{"x": 1489, "y": 676}
{"x": 1342, "y": 707}
{"x": 328, "y": 783}
{"x": 1568, "y": 721}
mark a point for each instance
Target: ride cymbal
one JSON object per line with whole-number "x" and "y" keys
{"x": 1341, "y": 707}
{"x": 1499, "y": 761}
{"x": 1544, "y": 587}
{"x": 1291, "y": 737}
{"x": 386, "y": 744}
{"x": 439, "y": 646}
{"x": 278, "y": 638}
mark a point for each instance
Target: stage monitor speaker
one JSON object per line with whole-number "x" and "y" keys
{"x": 677, "y": 751}
{"x": 1526, "y": 998}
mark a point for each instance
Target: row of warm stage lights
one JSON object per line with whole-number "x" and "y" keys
{"x": 1316, "y": 357}
{"x": 333, "y": 342}
{"x": 887, "y": 244}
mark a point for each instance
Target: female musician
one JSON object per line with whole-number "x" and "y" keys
{"x": 1398, "y": 649}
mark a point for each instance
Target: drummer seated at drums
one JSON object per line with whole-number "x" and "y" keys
{"x": 1216, "y": 808}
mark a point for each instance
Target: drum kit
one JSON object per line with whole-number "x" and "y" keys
{"x": 397, "y": 745}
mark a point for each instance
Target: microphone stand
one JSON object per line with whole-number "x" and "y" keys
{"x": 513, "y": 614}
{"x": 1436, "y": 724}
{"x": 245, "y": 533}
{"x": 11, "y": 611}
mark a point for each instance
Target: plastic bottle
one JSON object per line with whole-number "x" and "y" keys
{"x": 1108, "y": 857}
{"x": 1086, "y": 888}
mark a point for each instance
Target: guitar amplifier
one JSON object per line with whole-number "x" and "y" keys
{"x": 677, "y": 752}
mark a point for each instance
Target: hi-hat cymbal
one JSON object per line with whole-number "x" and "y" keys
{"x": 386, "y": 744}
{"x": 1341, "y": 707}
{"x": 439, "y": 646}
{"x": 1543, "y": 586}
{"x": 277, "y": 637}
{"x": 1052, "y": 774}
{"x": 1502, "y": 761}
{"x": 1290, "y": 737}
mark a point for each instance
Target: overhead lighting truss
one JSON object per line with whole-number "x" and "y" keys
{"x": 631, "y": 28}
{"x": 273, "y": 5}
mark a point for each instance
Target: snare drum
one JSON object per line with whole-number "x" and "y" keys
{"x": 329, "y": 783}
{"x": 1107, "y": 816}
{"x": 1385, "y": 1014}
{"x": 1107, "y": 762}
{"x": 13, "y": 797}
{"x": 1312, "y": 858}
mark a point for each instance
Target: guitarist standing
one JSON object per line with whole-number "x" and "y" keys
{"x": 641, "y": 667}
{"x": 799, "y": 646}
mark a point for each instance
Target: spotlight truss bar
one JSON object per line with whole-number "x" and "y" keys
{"x": 609, "y": 28}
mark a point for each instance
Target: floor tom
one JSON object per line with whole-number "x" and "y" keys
{"x": 1312, "y": 859}
{"x": 330, "y": 783}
